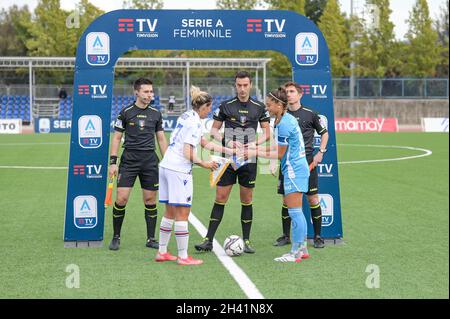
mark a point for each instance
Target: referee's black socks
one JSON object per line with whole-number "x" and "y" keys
{"x": 118, "y": 216}
{"x": 316, "y": 214}
{"x": 246, "y": 220}
{"x": 151, "y": 212}
{"x": 215, "y": 219}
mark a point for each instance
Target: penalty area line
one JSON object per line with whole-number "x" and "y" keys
{"x": 425, "y": 153}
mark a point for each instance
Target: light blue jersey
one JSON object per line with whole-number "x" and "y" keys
{"x": 293, "y": 164}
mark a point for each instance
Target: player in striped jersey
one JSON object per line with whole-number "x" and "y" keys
{"x": 175, "y": 176}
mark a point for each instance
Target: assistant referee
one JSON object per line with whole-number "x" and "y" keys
{"x": 141, "y": 123}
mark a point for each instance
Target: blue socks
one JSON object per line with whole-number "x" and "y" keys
{"x": 299, "y": 228}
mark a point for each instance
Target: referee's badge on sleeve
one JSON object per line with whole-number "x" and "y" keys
{"x": 118, "y": 123}
{"x": 323, "y": 121}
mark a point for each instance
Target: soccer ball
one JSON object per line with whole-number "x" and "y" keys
{"x": 233, "y": 245}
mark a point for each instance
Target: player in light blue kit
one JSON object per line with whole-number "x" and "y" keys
{"x": 290, "y": 149}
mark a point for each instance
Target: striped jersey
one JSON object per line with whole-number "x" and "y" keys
{"x": 187, "y": 131}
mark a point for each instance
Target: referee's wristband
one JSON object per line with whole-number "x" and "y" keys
{"x": 112, "y": 160}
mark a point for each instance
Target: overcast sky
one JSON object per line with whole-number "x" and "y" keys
{"x": 400, "y": 8}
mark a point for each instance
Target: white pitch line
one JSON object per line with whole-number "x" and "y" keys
{"x": 34, "y": 167}
{"x": 426, "y": 153}
{"x": 247, "y": 286}
{"x": 37, "y": 144}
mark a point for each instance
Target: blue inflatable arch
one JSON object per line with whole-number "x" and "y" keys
{"x": 117, "y": 32}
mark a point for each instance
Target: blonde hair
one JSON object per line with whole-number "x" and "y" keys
{"x": 199, "y": 98}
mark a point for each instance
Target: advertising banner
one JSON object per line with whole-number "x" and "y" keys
{"x": 366, "y": 125}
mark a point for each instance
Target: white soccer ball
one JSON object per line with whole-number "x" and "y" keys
{"x": 233, "y": 245}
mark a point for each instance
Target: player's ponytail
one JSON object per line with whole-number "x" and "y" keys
{"x": 280, "y": 96}
{"x": 199, "y": 98}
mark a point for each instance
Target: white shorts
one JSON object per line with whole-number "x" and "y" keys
{"x": 175, "y": 188}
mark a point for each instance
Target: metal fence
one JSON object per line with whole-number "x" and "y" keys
{"x": 368, "y": 88}
{"x": 395, "y": 88}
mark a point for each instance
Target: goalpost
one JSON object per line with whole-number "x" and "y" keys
{"x": 116, "y": 32}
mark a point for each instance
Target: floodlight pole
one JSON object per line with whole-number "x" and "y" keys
{"x": 264, "y": 80}
{"x": 257, "y": 84}
{"x": 188, "y": 90}
{"x": 184, "y": 83}
{"x": 352, "y": 56}
{"x": 30, "y": 80}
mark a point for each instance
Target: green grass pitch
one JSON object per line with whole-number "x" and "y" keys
{"x": 395, "y": 216}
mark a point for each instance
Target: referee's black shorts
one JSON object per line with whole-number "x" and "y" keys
{"x": 245, "y": 174}
{"x": 313, "y": 184}
{"x": 135, "y": 163}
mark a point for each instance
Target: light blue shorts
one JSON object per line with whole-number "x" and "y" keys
{"x": 295, "y": 185}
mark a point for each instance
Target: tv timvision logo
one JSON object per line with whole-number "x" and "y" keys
{"x": 306, "y": 49}
{"x": 146, "y": 28}
{"x": 325, "y": 170}
{"x": 97, "y": 48}
{"x": 85, "y": 211}
{"x": 317, "y": 91}
{"x": 88, "y": 171}
{"x": 273, "y": 28}
{"x": 90, "y": 131}
{"x": 96, "y": 91}
{"x": 326, "y": 203}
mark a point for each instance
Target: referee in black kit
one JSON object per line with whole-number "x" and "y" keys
{"x": 309, "y": 122}
{"x": 140, "y": 122}
{"x": 241, "y": 116}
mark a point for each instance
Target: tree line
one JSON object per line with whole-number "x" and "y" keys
{"x": 366, "y": 48}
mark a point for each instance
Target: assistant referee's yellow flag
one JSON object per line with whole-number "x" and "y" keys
{"x": 216, "y": 174}
{"x": 108, "y": 197}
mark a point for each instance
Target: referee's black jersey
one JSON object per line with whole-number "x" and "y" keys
{"x": 309, "y": 122}
{"x": 139, "y": 126}
{"x": 242, "y": 118}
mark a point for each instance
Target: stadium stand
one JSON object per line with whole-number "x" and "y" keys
{"x": 46, "y": 102}
{"x": 18, "y": 106}
{"x": 15, "y": 106}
